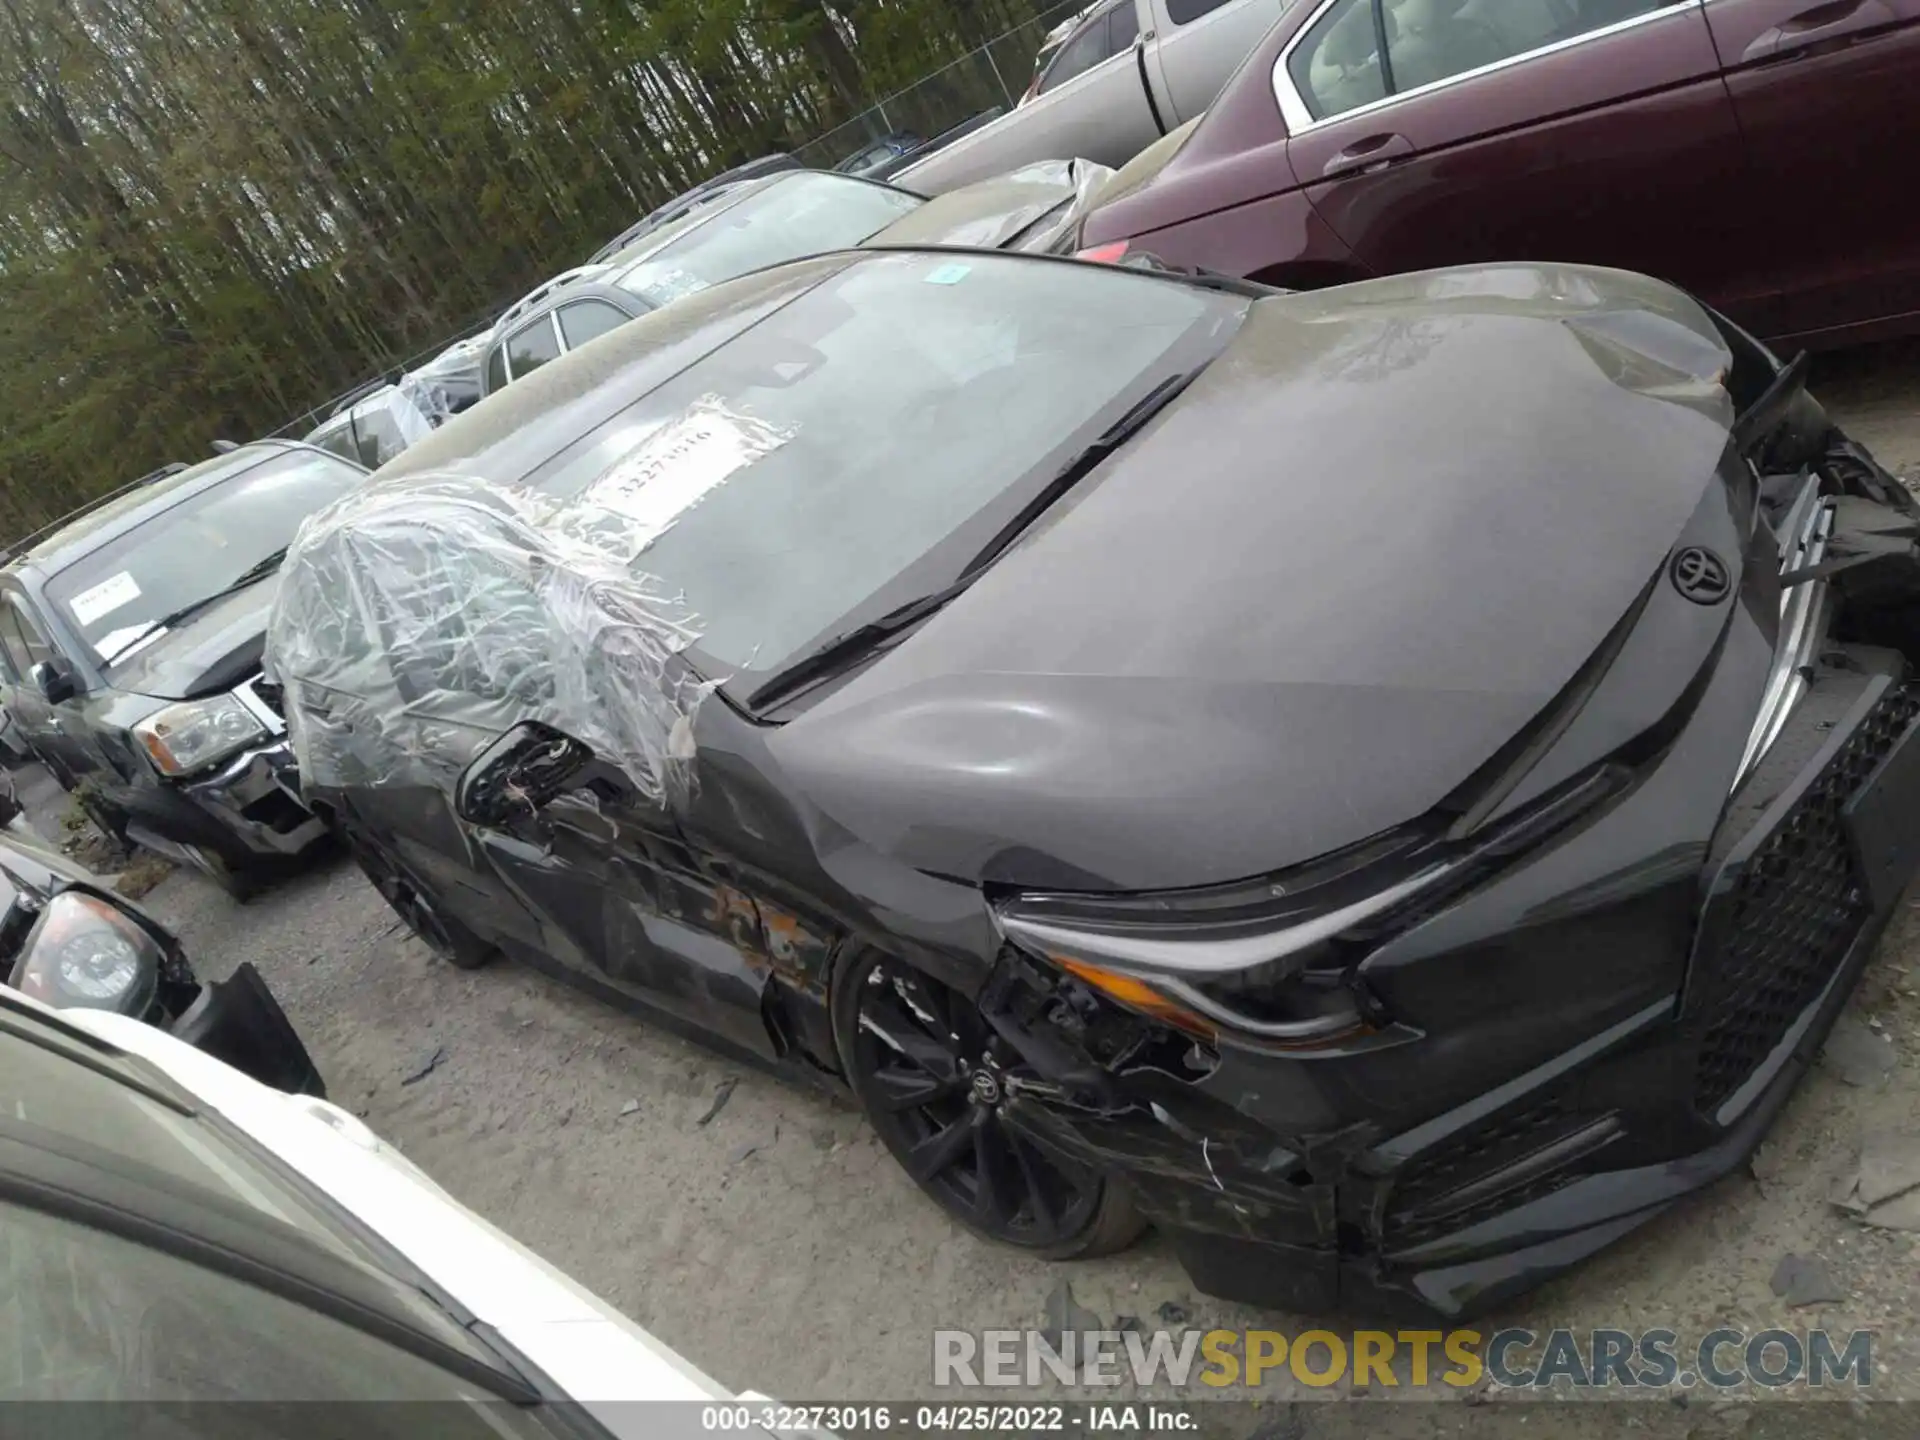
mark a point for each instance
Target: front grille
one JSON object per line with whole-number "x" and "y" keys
{"x": 1419, "y": 1208}
{"x": 1790, "y": 918}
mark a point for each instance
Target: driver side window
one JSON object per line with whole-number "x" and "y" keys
{"x": 25, "y": 645}
{"x": 1079, "y": 55}
{"x": 13, "y": 649}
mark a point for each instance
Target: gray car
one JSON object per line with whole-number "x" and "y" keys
{"x": 776, "y": 219}
{"x": 1124, "y": 76}
{"x": 130, "y": 643}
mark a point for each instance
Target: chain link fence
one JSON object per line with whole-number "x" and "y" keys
{"x": 988, "y": 80}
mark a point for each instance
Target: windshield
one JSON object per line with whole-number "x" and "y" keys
{"x": 112, "y": 596}
{"x": 903, "y": 406}
{"x": 804, "y": 214}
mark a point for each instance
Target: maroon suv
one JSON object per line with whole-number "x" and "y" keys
{"x": 1761, "y": 153}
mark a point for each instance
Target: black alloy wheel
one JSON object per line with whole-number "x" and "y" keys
{"x": 445, "y": 936}
{"x": 943, "y": 1092}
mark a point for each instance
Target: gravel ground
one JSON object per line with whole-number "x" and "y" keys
{"x": 780, "y": 1248}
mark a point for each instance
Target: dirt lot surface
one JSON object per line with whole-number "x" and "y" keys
{"x": 779, "y": 1247}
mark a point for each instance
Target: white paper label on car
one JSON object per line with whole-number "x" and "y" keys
{"x": 103, "y": 599}
{"x": 674, "y": 467}
{"x": 663, "y": 287}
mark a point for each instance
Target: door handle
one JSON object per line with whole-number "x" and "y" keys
{"x": 1376, "y": 152}
{"x": 1811, "y": 27}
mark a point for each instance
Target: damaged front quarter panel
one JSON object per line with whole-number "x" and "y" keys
{"x": 1168, "y": 1111}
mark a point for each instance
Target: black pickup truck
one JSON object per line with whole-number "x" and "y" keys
{"x": 131, "y": 636}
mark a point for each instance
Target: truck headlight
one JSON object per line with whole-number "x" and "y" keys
{"x": 185, "y": 737}
{"x": 85, "y": 954}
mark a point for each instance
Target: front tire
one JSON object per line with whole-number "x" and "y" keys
{"x": 241, "y": 885}
{"x": 940, "y": 1089}
{"x": 444, "y": 935}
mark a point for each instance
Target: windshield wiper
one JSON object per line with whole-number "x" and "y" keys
{"x": 262, "y": 568}
{"x": 833, "y": 653}
{"x": 1078, "y": 468}
{"x": 849, "y": 643}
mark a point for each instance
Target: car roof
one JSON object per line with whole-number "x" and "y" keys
{"x": 662, "y": 216}
{"x": 599, "y": 282}
{"x": 545, "y": 288}
{"x": 89, "y": 529}
{"x": 655, "y": 241}
{"x": 651, "y": 242}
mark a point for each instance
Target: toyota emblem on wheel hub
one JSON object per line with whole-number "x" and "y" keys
{"x": 1701, "y": 576}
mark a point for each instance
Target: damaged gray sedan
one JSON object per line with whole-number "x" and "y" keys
{"x": 1389, "y": 785}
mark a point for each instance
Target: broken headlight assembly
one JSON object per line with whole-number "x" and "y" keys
{"x": 82, "y": 953}
{"x": 1274, "y": 959}
{"x": 189, "y": 736}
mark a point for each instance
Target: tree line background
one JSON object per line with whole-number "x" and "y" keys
{"x": 215, "y": 214}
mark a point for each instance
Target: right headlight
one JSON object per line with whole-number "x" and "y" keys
{"x": 186, "y": 737}
{"x": 1274, "y": 957}
{"x": 84, "y": 954}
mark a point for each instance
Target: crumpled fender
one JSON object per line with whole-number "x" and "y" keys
{"x": 238, "y": 1021}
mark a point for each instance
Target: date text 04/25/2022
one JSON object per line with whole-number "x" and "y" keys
{"x": 1047, "y": 1418}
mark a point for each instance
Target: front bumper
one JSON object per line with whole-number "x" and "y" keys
{"x": 1286, "y": 1180}
{"x": 256, "y": 799}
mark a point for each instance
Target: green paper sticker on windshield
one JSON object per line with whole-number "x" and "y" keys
{"x": 948, "y": 274}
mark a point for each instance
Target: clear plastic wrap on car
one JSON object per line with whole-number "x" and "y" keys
{"x": 424, "y": 615}
{"x": 1082, "y": 179}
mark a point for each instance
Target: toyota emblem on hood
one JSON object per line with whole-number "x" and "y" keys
{"x": 1701, "y": 575}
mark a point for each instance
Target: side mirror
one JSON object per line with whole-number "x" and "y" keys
{"x": 518, "y": 773}
{"x": 55, "y": 679}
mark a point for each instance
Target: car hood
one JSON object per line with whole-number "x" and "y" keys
{"x": 213, "y": 651}
{"x": 991, "y": 213}
{"x": 35, "y": 868}
{"x": 1366, "y": 547}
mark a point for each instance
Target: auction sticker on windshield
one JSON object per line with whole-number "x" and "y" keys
{"x": 105, "y": 598}
{"x": 676, "y": 466}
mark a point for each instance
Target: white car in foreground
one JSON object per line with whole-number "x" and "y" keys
{"x": 172, "y": 1231}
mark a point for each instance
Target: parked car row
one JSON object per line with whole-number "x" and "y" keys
{"x": 759, "y": 222}
{"x": 131, "y": 632}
